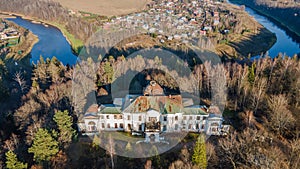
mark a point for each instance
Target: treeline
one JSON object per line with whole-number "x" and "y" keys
{"x": 262, "y": 105}
{"x": 39, "y": 116}
{"x": 238, "y": 77}
{"x": 15, "y": 74}
{"x": 46, "y": 136}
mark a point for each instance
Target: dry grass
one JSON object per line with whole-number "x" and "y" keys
{"x": 105, "y": 7}
{"x": 254, "y": 42}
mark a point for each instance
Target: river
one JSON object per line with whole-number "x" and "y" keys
{"x": 51, "y": 42}
{"x": 285, "y": 44}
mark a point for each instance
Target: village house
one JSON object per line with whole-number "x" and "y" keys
{"x": 182, "y": 17}
{"x": 152, "y": 114}
{"x": 8, "y": 36}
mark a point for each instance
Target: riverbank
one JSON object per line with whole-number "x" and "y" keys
{"x": 255, "y": 40}
{"x": 285, "y": 18}
{"x": 247, "y": 45}
{"x": 4, "y": 16}
{"x": 75, "y": 43}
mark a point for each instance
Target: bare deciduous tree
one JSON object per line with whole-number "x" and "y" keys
{"x": 294, "y": 158}
{"x": 218, "y": 86}
{"x": 110, "y": 148}
{"x": 281, "y": 117}
{"x": 12, "y": 142}
{"x": 210, "y": 151}
{"x": 18, "y": 77}
{"x": 258, "y": 92}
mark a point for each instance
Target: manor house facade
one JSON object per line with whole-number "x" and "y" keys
{"x": 152, "y": 113}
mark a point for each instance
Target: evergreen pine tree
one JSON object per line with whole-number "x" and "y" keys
{"x": 35, "y": 86}
{"x": 128, "y": 147}
{"x": 64, "y": 123}
{"x": 44, "y": 146}
{"x": 155, "y": 156}
{"x": 128, "y": 150}
{"x": 251, "y": 75}
{"x": 199, "y": 155}
{"x": 12, "y": 161}
{"x": 109, "y": 72}
{"x": 96, "y": 142}
{"x": 3, "y": 89}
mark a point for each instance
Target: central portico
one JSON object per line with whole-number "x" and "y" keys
{"x": 152, "y": 120}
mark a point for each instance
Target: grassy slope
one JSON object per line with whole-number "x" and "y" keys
{"x": 76, "y": 44}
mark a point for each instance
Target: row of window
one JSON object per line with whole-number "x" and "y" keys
{"x": 116, "y": 116}
{"x": 185, "y": 118}
{"x": 192, "y": 117}
{"x": 190, "y": 126}
{"x": 184, "y": 127}
{"x": 108, "y": 125}
{"x": 92, "y": 126}
{"x": 115, "y": 125}
{"x": 165, "y": 118}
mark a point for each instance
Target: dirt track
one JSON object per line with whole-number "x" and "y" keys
{"x": 105, "y": 7}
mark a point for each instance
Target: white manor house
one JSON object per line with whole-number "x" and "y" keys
{"x": 151, "y": 114}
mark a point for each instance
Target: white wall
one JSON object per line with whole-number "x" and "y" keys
{"x": 193, "y": 122}
{"x": 134, "y": 120}
{"x": 108, "y": 122}
{"x": 212, "y": 129}
{"x": 183, "y": 122}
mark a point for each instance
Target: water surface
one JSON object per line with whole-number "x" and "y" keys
{"x": 51, "y": 42}
{"x": 285, "y": 43}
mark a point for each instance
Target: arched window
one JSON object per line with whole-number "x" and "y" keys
{"x": 92, "y": 126}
